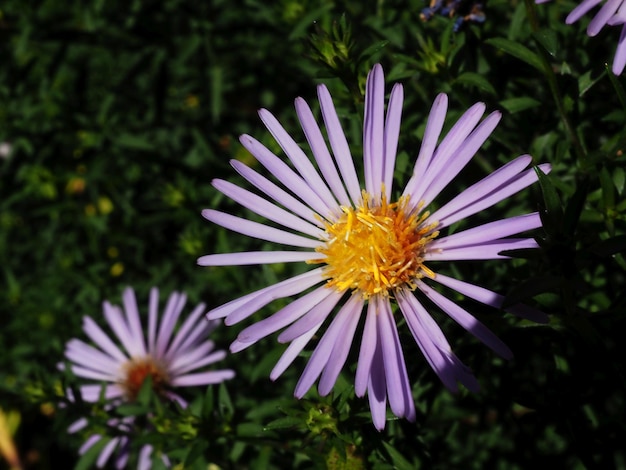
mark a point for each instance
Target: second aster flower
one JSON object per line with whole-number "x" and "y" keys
{"x": 374, "y": 253}
{"x": 169, "y": 356}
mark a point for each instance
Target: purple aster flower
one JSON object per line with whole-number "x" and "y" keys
{"x": 169, "y": 359}
{"x": 374, "y": 252}
{"x": 612, "y": 12}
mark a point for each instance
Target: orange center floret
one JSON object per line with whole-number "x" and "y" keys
{"x": 377, "y": 249}
{"x": 137, "y": 370}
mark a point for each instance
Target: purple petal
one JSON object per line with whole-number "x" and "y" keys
{"x": 324, "y": 348}
{"x": 487, "y": 232}
{"x": 435, "y": 122}
{"x": 485, "y": 250}
{"x": 392, "y": 134}
{"x": 398, "y": 387}
{"x": 257, "y": 230}
{"x": 620, "y": 54}
{"x": 339, "y": 145}
{"x": 203, "y": 378}
{"x": 252, "y": 302}
{"x": 85, "y": 355}
{"x": 145, "y": 461}
{"x": 314, "y": 317}
{"x": 448, "y": 146}
{"x": 461, "y": 157}
{"x": 93, "y": 374}
{"x": 434, "y": 345}
{"x": 601, "y": 18}
{"x": 89, "y": 443}
{"x": 102, "y": 340}
{"x": 341, "y": 348}
{"x": 134, "y": 324}
{"x": 92, "y": 393}
{"x": 299, "y": 159}
{"x": 377, "y": 388}
{"x": 320, "y": 151}
{"x": 277, "y": 194}
{"x": 286, "y": 176}
{"x": 106, "y": 452}
{"x": 173, "y": 309}
{"x": 259, "y": 257}
{"x": 578, "y": 12}
{"x": 373, "y": 122}
{"x": 114, "y": 318}
{"x": 184, "y": 362}
{"x": 461, "y": 206}
{"x": 295, "y": 348}
{"x": 185, "y": 366}
{"x": 183, "y": 338}
{"x": 369, "y": 343}
{"x": 266, "y": 209}
{"x": 280, "y": 319}
{"x": 77, "y": 425}
{"x": 490, "y": 298}
{"x": 467, "y": 321}
{"x": 153, "y": 317}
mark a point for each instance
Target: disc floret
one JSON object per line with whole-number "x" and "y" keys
{"x": 376, "y": 248}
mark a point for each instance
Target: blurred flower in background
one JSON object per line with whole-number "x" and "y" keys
{"x": 375, "y": 251}
{"x": 169, "y": 358}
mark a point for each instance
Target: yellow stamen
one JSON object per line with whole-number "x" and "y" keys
{"x": 377, "y": 249}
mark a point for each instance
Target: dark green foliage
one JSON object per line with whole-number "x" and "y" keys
{"x": 119, "y": 115}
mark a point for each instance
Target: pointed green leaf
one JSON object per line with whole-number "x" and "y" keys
{"x": 619, "y": 89}
{"x": 517, "y": 50}
{"x": 475, "y": 80}
{"x": 515, "y": 105}
{"x": 398, "y": 460}
{"x": 548, "y": 39}
{"x": 552, "y": 216}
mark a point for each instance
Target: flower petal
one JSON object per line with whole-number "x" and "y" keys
{"x": 266, "y": 209}
{"x": 467, "y": 321}
{"x": 257, "y": 230}
{"x": 259, "y": 257}
{"x": 339, "y": 144}
{"x": 241, "y": 308}
{"x": 320, "y": 151}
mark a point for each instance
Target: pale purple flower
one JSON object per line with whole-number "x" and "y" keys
{"x": 372, "y": 252}
{"x": 612, "y": 12}
{"x": 170, "y": 356}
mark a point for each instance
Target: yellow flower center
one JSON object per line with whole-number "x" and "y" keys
{"x": 137, "y": 370}
{"x": 374, "y": 250}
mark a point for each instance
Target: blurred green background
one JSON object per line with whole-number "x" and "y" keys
{"x": 116, "y": 117}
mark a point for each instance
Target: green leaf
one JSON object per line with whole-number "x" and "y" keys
{"x": 196, "y": 450}
{"x": 548, "y": 39}
{"x": 398, "y": 459}
{"x": 517, "y": 50}
{"x": 619, "y": 89}
{"x": 585, "y": 82}
{"x": 285, "y": 422}
{"x": 475, "y": 80}
{"x": 225, "y": 403}
{"x": 552, "y": 216}
{"x": 515, "y": 105}
{"x": 134, "y": 142}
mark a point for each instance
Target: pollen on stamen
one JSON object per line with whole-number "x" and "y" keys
{"x": 376, "y": 248}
